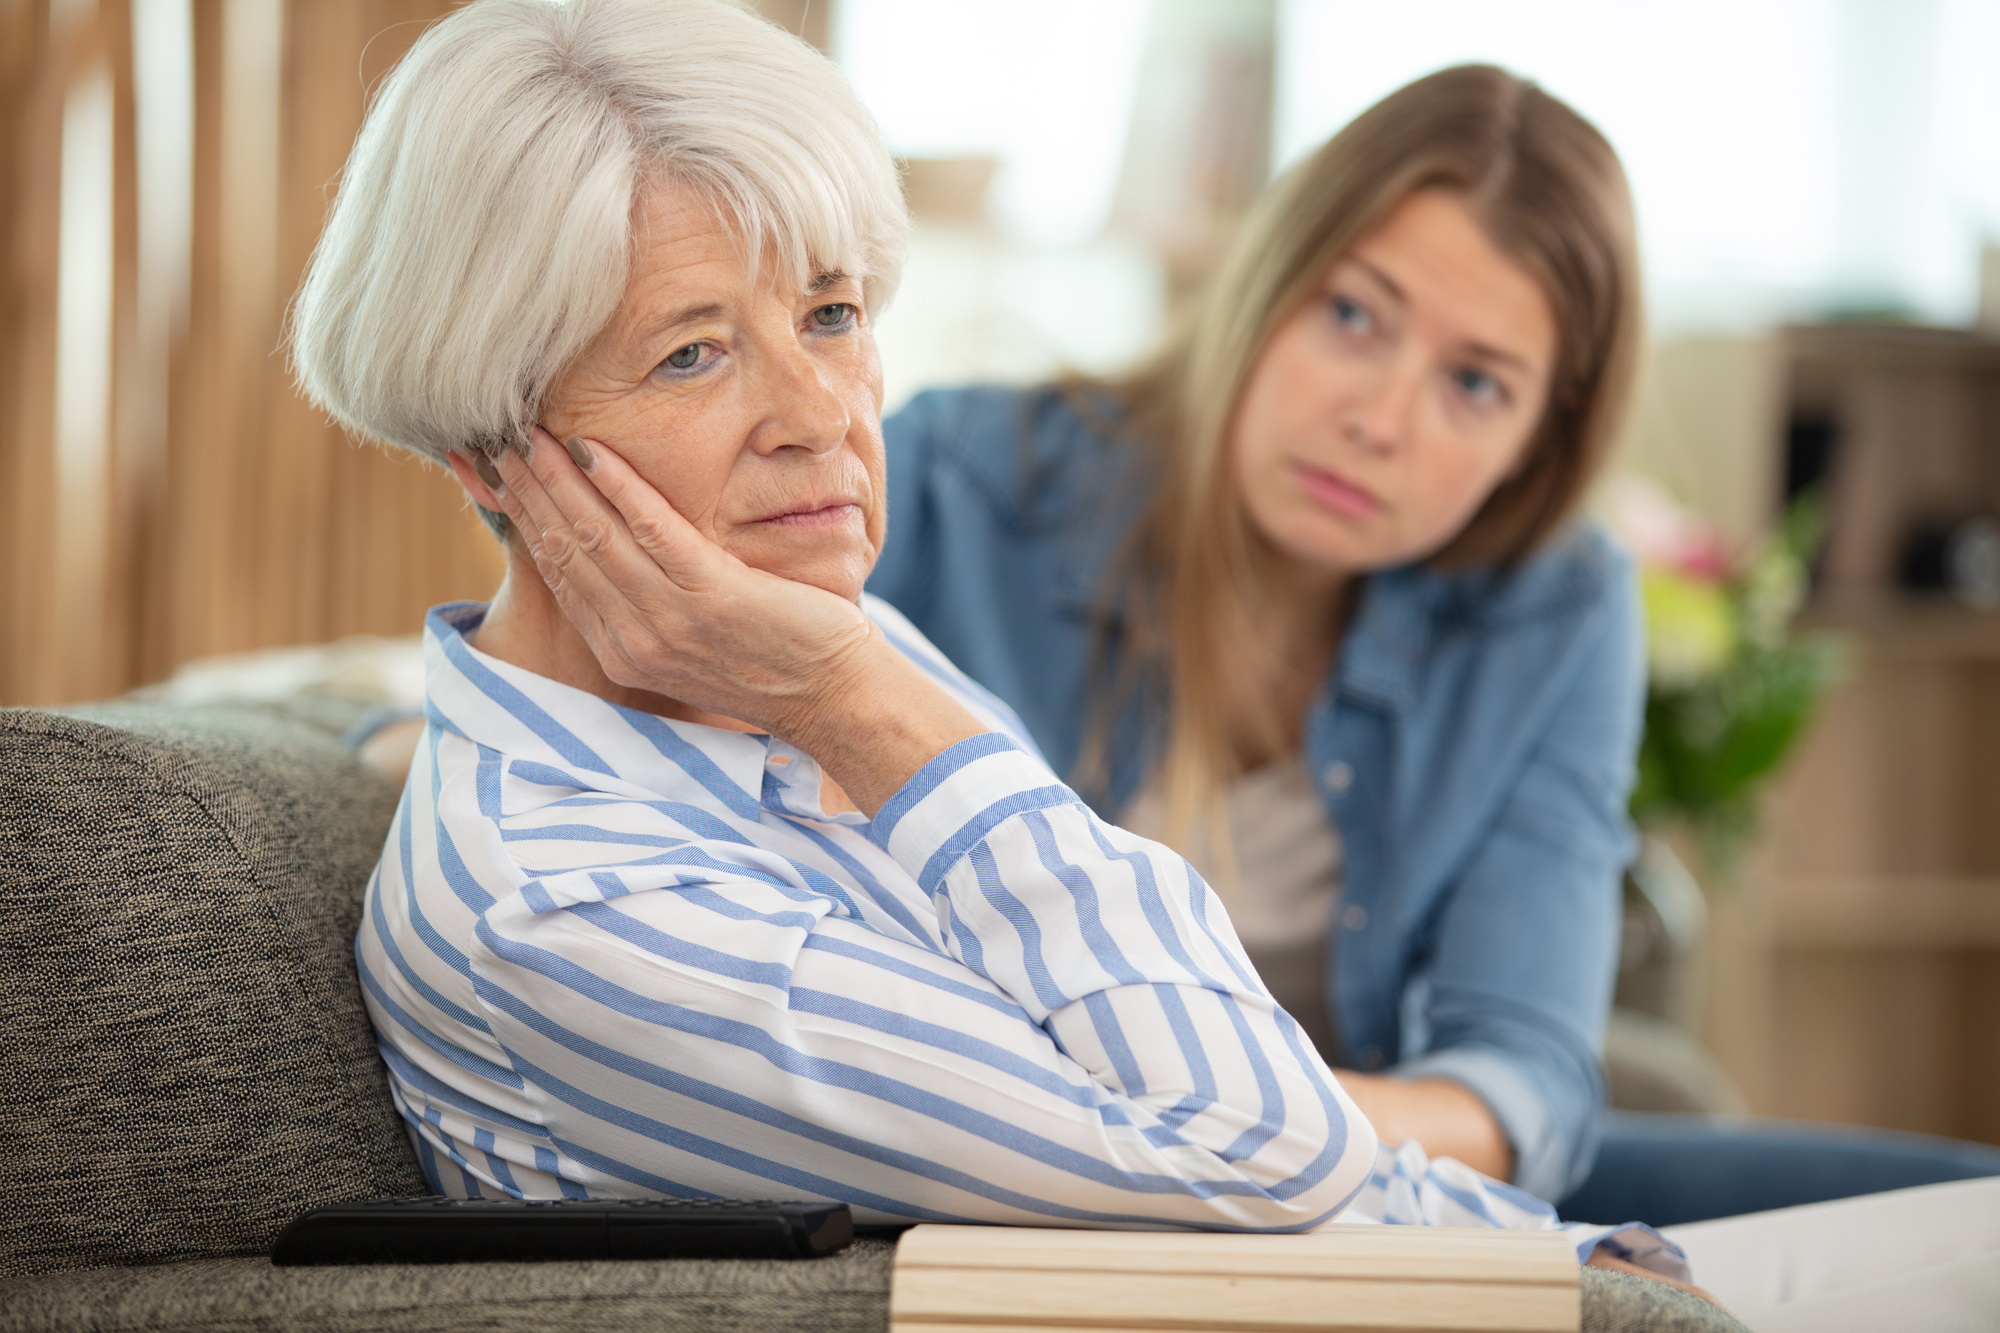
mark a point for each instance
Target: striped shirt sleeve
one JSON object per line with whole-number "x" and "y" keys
{"x": 1117, "y": 955}
{"x": 1087, "y": 1047}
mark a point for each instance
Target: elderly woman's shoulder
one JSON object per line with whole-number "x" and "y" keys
{"x": 1033, "y": 451}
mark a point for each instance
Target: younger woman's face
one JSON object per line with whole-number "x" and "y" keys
{"x": 1383, "y": 413}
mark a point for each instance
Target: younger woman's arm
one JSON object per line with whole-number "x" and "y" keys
{"x": 1447, "y": 1118}
{"x": 1523, "y": 960}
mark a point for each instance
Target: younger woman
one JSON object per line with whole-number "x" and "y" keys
{"x": 1303, "y": 596}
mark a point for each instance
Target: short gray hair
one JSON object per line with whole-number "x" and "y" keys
{"x": 482, "y": 233}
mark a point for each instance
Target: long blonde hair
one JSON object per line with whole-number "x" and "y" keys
{"x": 1549, "y": 192}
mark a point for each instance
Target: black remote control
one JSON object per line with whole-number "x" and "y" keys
{"x": 428, "y": 1230}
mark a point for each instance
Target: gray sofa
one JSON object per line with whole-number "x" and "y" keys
{"x": 185, "y": 1063}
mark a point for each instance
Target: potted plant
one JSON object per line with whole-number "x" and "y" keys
{"x": 1731, "y": 683}
{"x": 1731, "y": 686}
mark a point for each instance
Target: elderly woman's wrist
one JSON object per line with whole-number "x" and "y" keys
{"x": 824, "y": 703}
{"x": 875, "y": 725}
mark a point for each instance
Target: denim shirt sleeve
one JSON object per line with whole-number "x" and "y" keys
{"x": 1521, "y": 966}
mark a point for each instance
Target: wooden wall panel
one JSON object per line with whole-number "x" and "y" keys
{"x": 66, "y": 589}
{"x": 1871, "y": 994}
{"x": 209, "y": 555}
{"x": 33, "y": 72}
{"x": 391, "y": 536}
{"x": 1870, "y": 1039}
{"x": 232, "y": 516}
{"x": 1883, "y": 783}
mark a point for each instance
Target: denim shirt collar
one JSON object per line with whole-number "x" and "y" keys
{"x": 1386, "y": 644}
{"x": 1404, "y": 610}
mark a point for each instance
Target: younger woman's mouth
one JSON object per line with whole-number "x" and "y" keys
{"x": 1336, "y": 492}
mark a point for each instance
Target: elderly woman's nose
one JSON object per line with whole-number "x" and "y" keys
{"x": 805, "y": 409}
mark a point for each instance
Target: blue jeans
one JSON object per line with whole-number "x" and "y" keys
{"x": 1668, "y": 1169}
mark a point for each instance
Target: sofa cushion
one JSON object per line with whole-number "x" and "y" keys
{"x": 844, "y": 1293}
{"x": 187, "y": 1060}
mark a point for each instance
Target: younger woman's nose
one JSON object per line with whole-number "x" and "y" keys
{"x": 1379, "y": 413}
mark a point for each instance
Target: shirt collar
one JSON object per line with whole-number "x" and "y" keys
{"x": 1384, "y": 646}
{"x": 1404, "y": 611}
{"x": 602, "y": 745}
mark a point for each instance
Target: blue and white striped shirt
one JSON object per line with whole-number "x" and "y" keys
{"x": 611, "y": 954}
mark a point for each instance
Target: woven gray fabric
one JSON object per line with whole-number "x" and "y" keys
{"x": 1616, "y": 1302}
{"x": 846, "y": 1293}
{"x": 843, "y": 1293}
{"x": 187, "y": 1061}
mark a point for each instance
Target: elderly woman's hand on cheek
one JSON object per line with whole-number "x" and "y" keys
{"x": 665, "y": 609}
{"x": 669, "y": 611}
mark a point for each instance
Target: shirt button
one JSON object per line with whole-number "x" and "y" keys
{"x": 1354, "y": 916}
{"x": 1371, "y": 1057}
{"x": 1338, "y": 776}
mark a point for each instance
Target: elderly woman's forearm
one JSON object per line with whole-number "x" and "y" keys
{"x": 1118, "y": 954}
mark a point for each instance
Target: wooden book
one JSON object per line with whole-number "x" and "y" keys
{"x": 952, "y": 1279}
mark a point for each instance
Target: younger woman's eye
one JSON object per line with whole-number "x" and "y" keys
{"x": 1478, "y": 386}
{"x": 685, "y": 358}
{"x": 833, "y": 316}
{"x": 1351, "y": 315}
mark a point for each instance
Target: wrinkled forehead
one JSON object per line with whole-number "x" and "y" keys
{"x": 789, "y": 253}
{"x": 692, "y": 261}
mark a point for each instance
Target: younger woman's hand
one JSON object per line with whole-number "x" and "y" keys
{"x": 1603, "y": 1258}
{"x": 666, "y": 610}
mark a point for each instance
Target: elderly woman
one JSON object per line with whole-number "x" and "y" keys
{"x": 712, "y": 877}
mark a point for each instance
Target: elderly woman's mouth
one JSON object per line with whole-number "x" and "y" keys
{"x": 829, "y": 514}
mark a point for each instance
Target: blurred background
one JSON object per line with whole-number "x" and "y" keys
{"x": 1811, "y": 475}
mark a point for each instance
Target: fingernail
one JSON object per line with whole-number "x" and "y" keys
{"x": 580, "y": 454}
{"x": 487, "y": 472}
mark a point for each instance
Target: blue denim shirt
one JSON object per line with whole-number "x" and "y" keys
{"x": 1474, "y": 745}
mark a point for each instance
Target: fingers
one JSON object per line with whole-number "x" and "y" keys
{"x": 556, "y": 503}
{"x": 576, "y": 537}
{"x": 581, "y": 589}
{"x": 615, "y": 517}
{"x": 630, "y": 605}
{"x": 657, "y": 528}
{"x": 660, "y": 604}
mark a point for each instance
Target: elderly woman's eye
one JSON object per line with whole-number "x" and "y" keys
{"x": 685, "y": 358}
{"x": 833, "y": 316}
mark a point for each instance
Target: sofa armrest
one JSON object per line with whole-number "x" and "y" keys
{"x": 845, "y": 1293}
{"x": 188, "y": 1060}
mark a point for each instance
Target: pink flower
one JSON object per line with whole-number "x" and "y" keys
{"x": 1661, "y": 534}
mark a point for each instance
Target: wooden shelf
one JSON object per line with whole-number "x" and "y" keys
{"x": 1886, "y": 911}
{"x": 1859, "y": 981}
{"x": 1902, "y": 625}
{"x": 1877, "y": 347}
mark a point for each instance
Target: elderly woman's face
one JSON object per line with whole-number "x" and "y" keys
{"x": 753, "y": 408}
